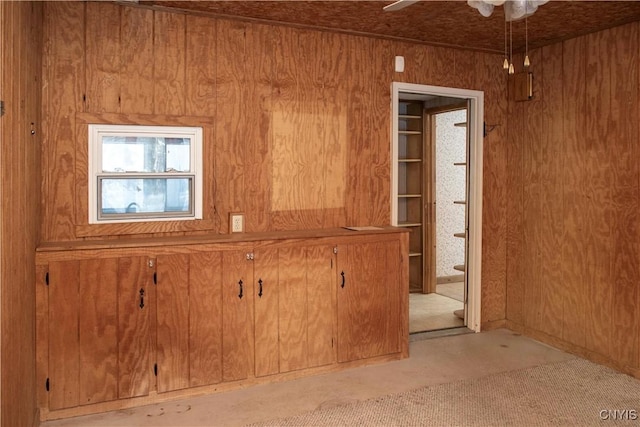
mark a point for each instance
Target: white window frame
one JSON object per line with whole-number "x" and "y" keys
{"x": 97, "y": 131}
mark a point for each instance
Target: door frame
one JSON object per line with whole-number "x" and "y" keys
{"x": 475, "y": 129}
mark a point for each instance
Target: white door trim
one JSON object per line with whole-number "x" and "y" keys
{"x": 476, "y": 135}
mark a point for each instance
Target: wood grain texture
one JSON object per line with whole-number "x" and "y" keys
{"x": 98, "y": 332}
{"x": 319, "y": 267}
{"x": 64, "y": 346}
{"x": 63, "y": 91}
{"x": 292, "y": 310}
{"x": 266, "y": 296}
{"x": 103, "y": 57}
{"x": 237, "y": 316}
{"x": 136, "y": 59}
{"x": 21, "y": 88}
{"x": 135, "y": 280}
{"x": 169, "y": 53}
{"x": 173, "y": 322}
{"x": 205, "y": 318}
{"x": 200, "y": 67}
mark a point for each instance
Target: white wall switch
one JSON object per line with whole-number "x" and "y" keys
{"x": 399, "y": 65}
{"x": 236, "y": 222}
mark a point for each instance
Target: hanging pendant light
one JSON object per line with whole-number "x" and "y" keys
{"x": 505, "y": 64}
{"x": 511, "y": 68}
{"x": 527, "y": 63}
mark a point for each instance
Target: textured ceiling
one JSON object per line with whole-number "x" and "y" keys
{"x": 451, "y": 23}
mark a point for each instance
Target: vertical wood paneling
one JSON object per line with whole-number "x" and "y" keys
{"x": 266, "y": 296}
{"x": 260, "y": 56}
{"x": 551, "y": 231}
{"x": 136, "y": 60}
{"x": 42, "y": 335}
{"x": 98, "y": 334}
{"x": 134, "y": 324}
{"x": 625, "y": 230}
{"x": 597, "y": 213}
{"x": 20, "y": 86}
{"x": 173, "y": 322}
{"x": 576, "y": 273}
{"x": 230, "y": 146}
{"x": 64, "y": 347}
{"x": 205, "y": 318}
{"x": 359, "y": 150}
{"x": 103, "y": 57}
{"x": 200, "y": 66}
{"x": 292, "y": 310}
{"x": 169, "y": 95}
{"x": 63, "y": 90}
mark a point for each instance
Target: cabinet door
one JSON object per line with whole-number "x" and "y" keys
{"x": 135, "y": 301}
{"x": 368, "y": 300}
{"x": 205, "y": 318}
{"x": 237, "y": 316}
{"x": 267, "y": 355}
{"x": 320, "y": 266}
{"x": 172, "y": 322}
{"x": 83, "y": 332}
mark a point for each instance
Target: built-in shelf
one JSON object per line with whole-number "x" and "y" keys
{"x": 461, "y": 235}
{"x": 459, "y": 267}
{"x": 409, "y": 132}
{"x": 461, "y": 124}
{"x": 409, "y": 160}
{"x": 409, "y": 196}
{"x": 460, "y": 202}
{"x": 409, "y": 116}
{"x": 409, "y": 224}
{"x": 460, "y": 164}
{"x": 414, "y": 254}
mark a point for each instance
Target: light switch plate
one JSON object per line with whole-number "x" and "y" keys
{"x": 236, "y": 222}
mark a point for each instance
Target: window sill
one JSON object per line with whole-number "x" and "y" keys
{"x": 150, "y": 227}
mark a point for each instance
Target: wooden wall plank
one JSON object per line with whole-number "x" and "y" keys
{"x": 136, "y": 60}
{"x": 98, "y": 333}
{"x": 597, "y": 213}
{"x": 200, "y": 77}
{"x": 551, "y": 232}
{"x": 230, "y": 146}
{"x": 169, "y": 96}
{"x": 292, "y": 310}
{"x": 135, "y": 280}
{"x": 63, "y": 83}
{"x": 102, "y": 54}
{"x": 205, "y": 318}
{"x": 625, "y": 230}
{"x": 172, "y": 322}
{"x": 576, "y": 273}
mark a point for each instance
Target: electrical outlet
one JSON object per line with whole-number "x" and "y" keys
{"x": 236, "y": 223}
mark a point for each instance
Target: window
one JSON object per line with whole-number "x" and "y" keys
{"x": 144, "y": 173}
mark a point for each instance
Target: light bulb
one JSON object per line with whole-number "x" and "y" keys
{"x": 526, "y": 61}
{"x": 505, "y": 64}
{"x": 511, "y": 69}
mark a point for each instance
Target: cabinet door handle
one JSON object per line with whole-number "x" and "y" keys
{"x": 141, "y": 298}
{"x": 342, "y": 284}
{"x": 240, "y": 294}
{"x": 260, "y": 290}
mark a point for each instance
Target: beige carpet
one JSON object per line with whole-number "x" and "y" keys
{"x": 565, "y": 393}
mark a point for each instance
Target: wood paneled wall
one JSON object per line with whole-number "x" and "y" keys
{"x": 573, "y": 273}
{"x": 20, "y": 89}
{"x": 297, "y": 122}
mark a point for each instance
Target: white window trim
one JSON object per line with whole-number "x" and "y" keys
{"x": 95, "y": 162}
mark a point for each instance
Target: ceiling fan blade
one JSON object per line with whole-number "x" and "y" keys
{"x": 400, "y": 4}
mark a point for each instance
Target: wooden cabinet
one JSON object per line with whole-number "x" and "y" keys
{"x": 369, "y": 305}
{"x": 98, "y": 330}
{"x": 119, "y": 323}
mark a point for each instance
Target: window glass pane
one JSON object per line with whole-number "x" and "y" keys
{"x": 145, "y": 195}
{"x": 145, "y": 154}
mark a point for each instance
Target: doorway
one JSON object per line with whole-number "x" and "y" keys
{"x": 436, "y": 194}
